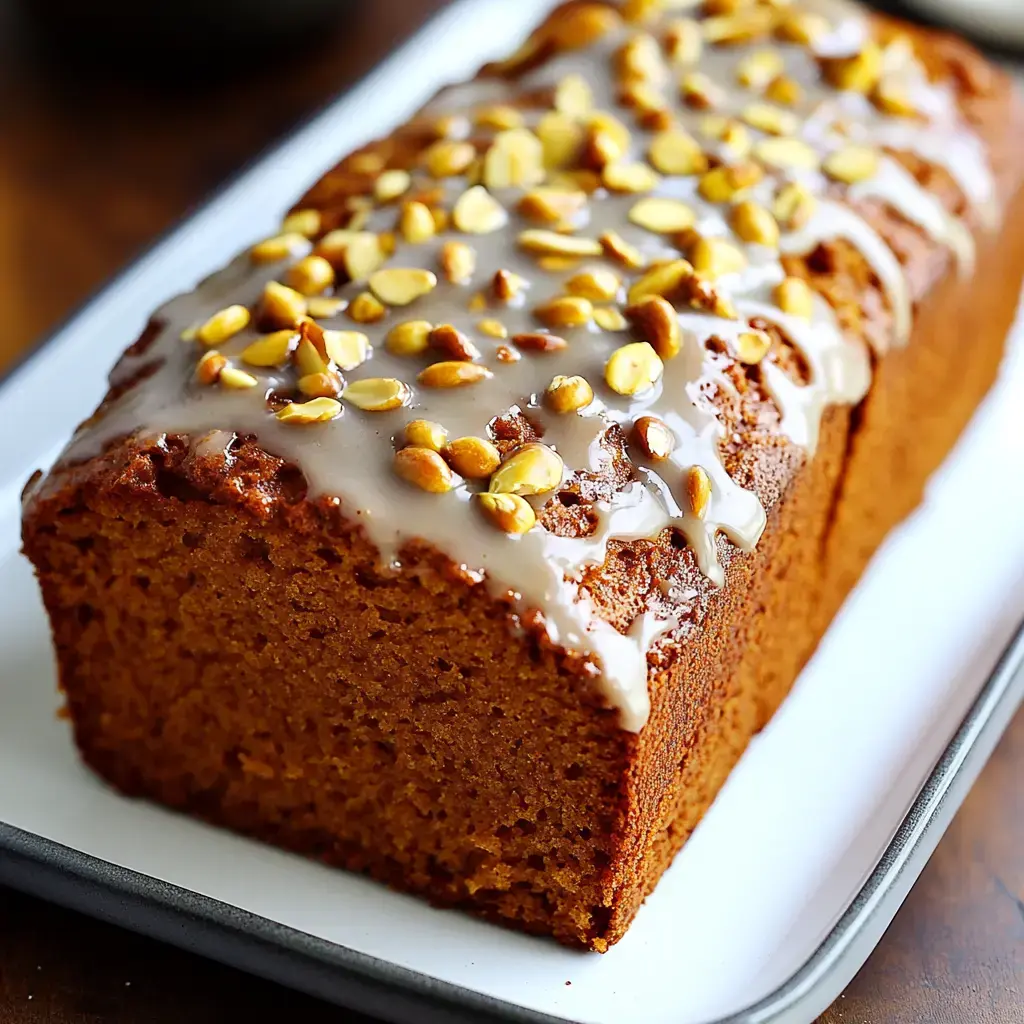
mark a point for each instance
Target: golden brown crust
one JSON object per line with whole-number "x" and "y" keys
{"x": 551, "y": 818}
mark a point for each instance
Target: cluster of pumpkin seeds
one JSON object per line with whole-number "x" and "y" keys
{"x": 349, "y": 280}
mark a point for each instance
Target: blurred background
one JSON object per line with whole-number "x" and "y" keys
{"x": 115, "y": 119}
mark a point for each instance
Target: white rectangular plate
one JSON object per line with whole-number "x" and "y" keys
{"x": 789, "y": 843}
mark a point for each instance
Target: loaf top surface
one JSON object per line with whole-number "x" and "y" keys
{"x": 549, "y": 311}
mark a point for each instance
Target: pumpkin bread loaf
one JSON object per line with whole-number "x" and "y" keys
{"x": 465, "y": 532}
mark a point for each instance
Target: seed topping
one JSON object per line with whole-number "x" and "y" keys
{"x": 224, "y": 324}
{"x": 537, "y": 240}
{"x": 398, "y": 286}
{"x": 310, "y": 276}
{"x": 280, "y": 247}
{"x": 633, "y": 368}
{"x": 377, "y": 394}
{"x": 424, "y": 468}
{"x": 568, "y": 394}
{"x": 656, "y": 320}
{"x": 752, "y": 346}
{"x": 426, "y": 434}
{"x": 508, "y": 512}
{"x": 653, "y": 438}
{"x": 271, "y": 349}
{"x": 458, "y": 261}
{"x": 664, "y": 216}
{"x": 598, "y": 284}
{"x": 698, "y": 490}
{"x": 453, "y": 374}
{"x": 450, "y": 341}
{"x": 539, "y": 342}
{"x": 532, "y": 469}
{"x": 477, "y": 212}
{"x": 472, "y": 457}
{"x": 670, "y": 186}
{"x": 318, "y": 410}
{"x": 794, "y": 296}
{"x": 566, "y": 311}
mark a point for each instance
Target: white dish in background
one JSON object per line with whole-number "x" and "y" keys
{"x": 997, "y": 21}
{"x": 799, "y": 826}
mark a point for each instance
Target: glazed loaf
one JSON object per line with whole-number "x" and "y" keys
{"x": 465, "y": 532}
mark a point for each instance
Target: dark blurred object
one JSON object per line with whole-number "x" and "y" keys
{"x": 94, "y": 164}
{"x": 85, "y": 180}
{"x": 996, "y": 24}
{"x": 201, "y": 38}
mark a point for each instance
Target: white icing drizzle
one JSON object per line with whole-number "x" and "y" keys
{"x": 940, "y": 139}
{"x": 848, "y": 34}
{"x": 840, "y": 372}
{"x": 959, "y": 153}
{"x": 350, "y": 458}
{"x": 576, "y": 438}
{"x": 894, "y": 184}
{"x": 215, "y": 443}
{"x": 832, "y": 220}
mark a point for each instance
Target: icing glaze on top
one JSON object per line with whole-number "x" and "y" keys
{"x": 796, "y": 99}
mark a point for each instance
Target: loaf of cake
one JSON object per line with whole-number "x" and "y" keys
{"x": 465, "y": 532}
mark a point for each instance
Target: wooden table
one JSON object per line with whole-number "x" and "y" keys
{"x": 90, "y": 172}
